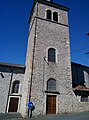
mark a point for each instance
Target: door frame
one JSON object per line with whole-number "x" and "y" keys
{"x": 56, "y": 102}
{"x": 9, "y": 103}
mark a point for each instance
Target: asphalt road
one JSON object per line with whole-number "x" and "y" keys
{"x": 75, "y": 116}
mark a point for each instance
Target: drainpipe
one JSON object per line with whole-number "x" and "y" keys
{"x": 29, "y": 98}
{"x": 9, "y": 88}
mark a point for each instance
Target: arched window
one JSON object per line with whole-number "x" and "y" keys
{"x": 51, "y": 85}
{"x": 55, "y": 16}
{"x": 48, "y": 16}
{"x": 51, "y": 55}
{"x": 15, "y": 86}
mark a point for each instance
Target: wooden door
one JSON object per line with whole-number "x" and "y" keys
{"x": 13, "y": 105}
{"x": 51, "y": 104}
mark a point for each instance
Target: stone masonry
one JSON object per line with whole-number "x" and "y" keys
{"x": 45, "y": 34}
{"x": 49, "y": 34}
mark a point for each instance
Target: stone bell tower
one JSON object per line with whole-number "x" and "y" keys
{"x": 47, "y": 81}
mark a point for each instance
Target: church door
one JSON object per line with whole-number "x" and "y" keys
{"x": 13, "y": 105}
{"x": 51, "y": 104}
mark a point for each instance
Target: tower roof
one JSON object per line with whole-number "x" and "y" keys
{"x": 49, "y": 3}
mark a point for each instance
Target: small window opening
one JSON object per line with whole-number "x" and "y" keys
{"x": 15, "y": 86}
{"x": 51, "y": 55}
{"x": 49, "y": 14}
{"x": 55, "y": 16}
{"x": 84, "y": 98}
{"x": 51, "y": 85}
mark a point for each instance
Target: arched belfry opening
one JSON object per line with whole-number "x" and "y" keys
{"x": 49, "y": 14}
{"x": 55, "y": 16}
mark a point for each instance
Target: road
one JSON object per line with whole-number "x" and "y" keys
{"x": 75, "y": 116}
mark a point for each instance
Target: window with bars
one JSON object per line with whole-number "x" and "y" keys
{"x": 51, "y": 55}
{"x": 51, "y": 84}
{"x": 15, "y": 86}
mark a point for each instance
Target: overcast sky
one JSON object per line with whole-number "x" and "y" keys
{"x": 14, "y": 15}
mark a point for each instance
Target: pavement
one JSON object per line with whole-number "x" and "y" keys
{"x": 72, "y": 116}
{"x": 10, "y": 116}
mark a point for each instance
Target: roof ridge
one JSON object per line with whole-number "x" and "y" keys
{"x": 11, "y": 64}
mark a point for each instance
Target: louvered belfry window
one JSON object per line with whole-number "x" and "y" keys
{"x": 51, "y": 55}
{"x": 51, "y": 85}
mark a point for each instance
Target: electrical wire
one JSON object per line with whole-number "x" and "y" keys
{"x": 80, "y": 49}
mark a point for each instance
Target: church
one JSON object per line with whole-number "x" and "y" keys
{"x": 49, "y": 80}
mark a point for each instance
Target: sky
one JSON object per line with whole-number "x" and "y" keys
{"x": 14, "y": 27}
